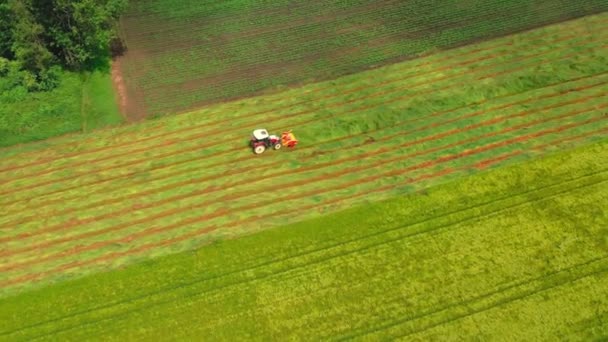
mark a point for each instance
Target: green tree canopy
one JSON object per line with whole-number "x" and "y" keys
{"x": 40, "y": 34}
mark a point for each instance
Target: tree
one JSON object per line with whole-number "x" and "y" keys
{"x": 28, "y": 45}
{"x": 6, "y": 24}
{"x": 79, "y": 31}
{"x": 38, "y": 36}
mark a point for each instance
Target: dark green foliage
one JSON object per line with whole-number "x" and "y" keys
{"x": 38, "y": 34}
{"x": 79, "y": 32}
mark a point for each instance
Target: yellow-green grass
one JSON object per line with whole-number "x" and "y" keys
{"x": 74, "y": 215}
{"x": 181, "y": 55}
{"x": 519, "y": 252}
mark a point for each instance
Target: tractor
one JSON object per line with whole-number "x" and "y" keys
{"x": 261, "y": 140}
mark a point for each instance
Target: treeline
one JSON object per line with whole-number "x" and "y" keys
{"x": 39, "y": 38}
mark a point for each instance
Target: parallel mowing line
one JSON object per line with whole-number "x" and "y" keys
{"x": 264, "y": 112}
{"x": 147, "y": 247}
{"x": 318, "y": 166}
{"x": 218, "y": 143}
{"x": 200, "y": 280}
{"x": 368, "y": 179}
{"x": 263, "y": 166}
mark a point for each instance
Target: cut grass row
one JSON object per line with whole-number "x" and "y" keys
{"x": 527, "y": 238}
{"x": 295, "y": 100}
{"x": 164, "y": 236}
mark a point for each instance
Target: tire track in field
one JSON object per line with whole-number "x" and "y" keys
{"x": 279, "y": 117}
{"x": 218, "y": 143}
{"x": 146, "y": 247}
{"x": 223, "y": 211}
{"x": 542, "y": 284}
{"x": 67, "y": 225}
{"x": 245, "y": 158}
{"x": 283, "y": 260}
{"x": 321, "y": 165}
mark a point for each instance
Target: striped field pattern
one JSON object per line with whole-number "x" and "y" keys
{"x": 79, "y": 204}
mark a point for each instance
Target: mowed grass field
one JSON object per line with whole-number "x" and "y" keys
{"x": 181, "y": 55}
{"x": 77, "y": 205}
{"x": 515, "y": 253}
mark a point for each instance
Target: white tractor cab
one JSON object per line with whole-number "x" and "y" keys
{"x": 261, "y": 140}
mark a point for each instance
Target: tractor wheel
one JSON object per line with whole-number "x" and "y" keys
{"x": 277, "y": 146}
{"x": 259, "y": 149}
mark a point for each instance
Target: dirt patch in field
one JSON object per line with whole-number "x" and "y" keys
{"x": 119, "y": 87}
{"x": 128, "y": 104}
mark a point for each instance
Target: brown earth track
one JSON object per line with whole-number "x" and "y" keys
{"x": 318, "y": 166}
{"x": 207, "y": 134}
{"x": 190, "y": 235}
{"x": 127, "y": 101}
{"x": 223, "y": 211}
{"x": 222, "y": 163}
{"x": 219, "y": 122}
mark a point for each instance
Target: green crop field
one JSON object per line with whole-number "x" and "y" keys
{"x": 80, "y": 204}
{"x": 515, "y": 253}
{"x": 181, "y": 55}
{"x": 450, "y": 183}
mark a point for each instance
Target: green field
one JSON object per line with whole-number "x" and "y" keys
{"x": 182, "y": 55}
{"x": 80, "y": 204}
{"x": 516, "y": 253}
{"x": 449, "y": 182}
